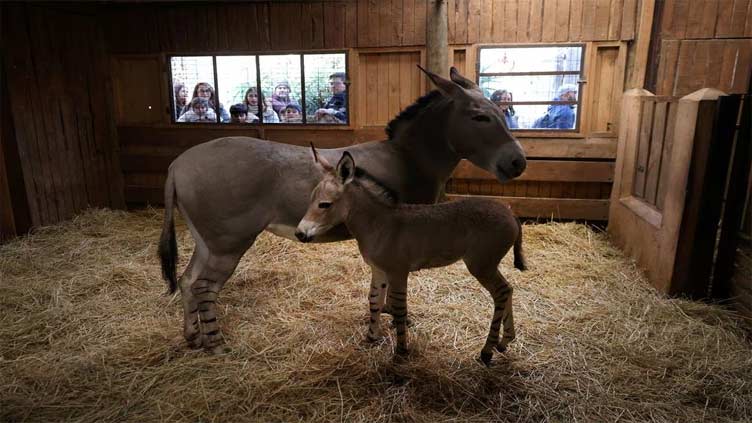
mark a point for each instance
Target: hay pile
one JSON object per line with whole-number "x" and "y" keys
{"x": 88, "y": 336}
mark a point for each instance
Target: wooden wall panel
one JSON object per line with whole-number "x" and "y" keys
{"x": 388, "y": 83}
{"x": 706, "y": 19}
{"x": 63, "y": 120}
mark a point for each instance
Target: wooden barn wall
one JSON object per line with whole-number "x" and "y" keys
{"x": 385, "y": 40}
{"x": 702, "y": 44}
{"x": 56, "y": 64}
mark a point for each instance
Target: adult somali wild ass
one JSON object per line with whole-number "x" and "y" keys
{"x": 231, "y": 189}
{"x": 396, "y": 239}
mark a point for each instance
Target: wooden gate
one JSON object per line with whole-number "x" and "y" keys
{"x": 671, "y": 168}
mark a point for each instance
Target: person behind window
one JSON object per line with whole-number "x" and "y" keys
{"x": 560, "y": 116}
{"x": 281, "y": 97}
{"x": 291, "y": 114}
{"x": 239, "y": 114}
{"x": 199, "y": 110}
{"x": 252, "y": 101}
{"x": 503, "y": 99}
{"x": 205, "y": 91}
{"x": 336, "y": 106}
{"x": 181, "y": 99}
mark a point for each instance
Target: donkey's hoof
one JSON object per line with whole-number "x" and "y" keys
{"x": 485, "y": 358}
{"x": 401, "y": 351}
{"x": 373, "y": 339}
{"x": 219, "y": 349}
{"x": 194, "y": 341}
{"x": 501, "y": 348}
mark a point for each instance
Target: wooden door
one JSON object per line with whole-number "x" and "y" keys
{"x": 665, "y": 203}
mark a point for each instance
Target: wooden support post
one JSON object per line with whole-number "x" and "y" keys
{"x": 437, "y": 46}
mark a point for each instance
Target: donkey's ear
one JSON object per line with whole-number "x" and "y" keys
{"x": 444, "y": 85}
{"x": 346, "y": 168}
{"x": 321, "y": 162}
{"x": 454, "y": 74}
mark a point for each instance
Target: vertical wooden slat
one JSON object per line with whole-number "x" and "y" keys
{"x": 362, "y": 23}
{"x": 748, "y": 25}
{"x": 351, "y": 23}
{"x": 575, "y": 20}
{"x": 396, "y": 23}
{"x": 394, "y": 85}
{"x": 588, "y": 20}
{"x": 629, "y": 20}
{"x": 743, "y": 66}
{"x": 667, "y": 67}
{"x": 700, "y": 13}
{"x": 461, "y": 21}
{"x": 602, "y": 15}
{"x": 451, "y": 21}
{"x": 615, "y": 18}
{"x": 536, "y": 21}
{"x": 383, "y": 103}
{"x": 487, "y": 13}
{"x": 420, "y": 21}
{"x": 523, "y": 21}
{"x": 549, "y": 21}
{"x": 386, "y": 35}
{"x": 333, "y": 26}
{"x": 655, "y": 156}
{"x": 497, "y": 20}
{"x": 510, "y": 21}
{"x": 562, "y": 20}
{"x": 683, "y": 78}
{"x": 405, "y": 88}
{"x": 739, "y": 17}
{"x": 668, "y": 142}
{"x": 408, "y": 22}
{"x": 473, "y": 21}
{"x": 643, "y": 148}
{"x": 679, "y": 22}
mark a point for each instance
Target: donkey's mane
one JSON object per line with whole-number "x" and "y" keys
{"x": 411, "y": 111}
{"x": 387, "y": 195}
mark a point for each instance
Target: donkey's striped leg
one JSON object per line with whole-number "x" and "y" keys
{"x": 191, "y": 328}
{"x": 376, "y": 303}
{"x": 501, "y": 292}
{"x": 210, "y": 281}
{"x": 398, "y": 296}
{"x": 509, "y": 332}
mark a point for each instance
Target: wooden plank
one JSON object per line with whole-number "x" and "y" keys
{"x": 615, "y": 18}
{"x": 473, "y": 21}
{"x": 451, "y": 21}
{"x": 462, "y": 19}
{"x": 748, "y": 28}
{"x": 575, "y": 20}
{"x": 561, "y": 32}
{"x": 643, "y": 149}
{"x": 743, "y": 66}
{"x": 656, "y": 153}
{"x": 602, "y": 15}
{"x": 486, "y": 16}
{"x": 510, "y": 21}
{"x": 393, "y": 87}
{"x": 549, "y": 21}
{"x": 548, "y": 208}
{"x": 351, "y": 24}
{"x": 523, "y": 20}
{"x": 588, "y": 20}
{"x": 739, "y": 17}
{"x": 547, "y": 170}
{"x": 629, "y": 20}
{"x": 701, "y": 19}
{"x": 333, "y": 25}
{"x": 406, "y": 66}
{"x": 536, "y": 21}
{"x": 666, "y": 154}
{"x": 667, "y": 67}
{"x": 420, "y": 21}
{"x": 313, "y": 24}
{"x": 408, "y": 22}
{"x": 387, "y": 37}
{"x": 383, "y": 78}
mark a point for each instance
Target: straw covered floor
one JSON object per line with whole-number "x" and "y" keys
{"x": 88, "y": 335}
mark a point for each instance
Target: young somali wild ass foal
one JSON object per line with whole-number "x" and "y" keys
{"x": 231, "y": 189}
{"x": 398, "y": 239}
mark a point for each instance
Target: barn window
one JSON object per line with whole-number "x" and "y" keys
{"x": 296, "y": 89}
{"x": 537, "y": 86}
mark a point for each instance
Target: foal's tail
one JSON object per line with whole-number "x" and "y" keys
{"x": 519, "y": 256}
{"x": 168, "y": 246}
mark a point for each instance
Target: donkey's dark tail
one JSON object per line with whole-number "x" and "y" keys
{"x": 519, "y": 255}
{"x": 168, "y": 246}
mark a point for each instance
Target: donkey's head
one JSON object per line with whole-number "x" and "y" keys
{"x": 477, "y": 130}
{"x": 325, "y": 211}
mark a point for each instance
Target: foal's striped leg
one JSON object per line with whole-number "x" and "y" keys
{"x": 376, "y": 303}
{"x": 501, "y": 292}
{"x": 398, "y": 298}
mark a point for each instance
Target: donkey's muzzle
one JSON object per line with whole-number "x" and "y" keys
{"x": 302, "y": 237}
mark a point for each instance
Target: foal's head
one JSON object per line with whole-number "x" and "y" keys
{"x": 477, "y": 130}
{"x": 327, "y": 208}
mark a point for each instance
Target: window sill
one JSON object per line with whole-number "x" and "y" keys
{"x": 238, "y": 127}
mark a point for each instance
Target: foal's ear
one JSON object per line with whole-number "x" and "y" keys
{"x": 320, "y": 162}
{"x": 444, "y": 85}
{"x": 346, "y": 168}
{"x": 454, "y": 74}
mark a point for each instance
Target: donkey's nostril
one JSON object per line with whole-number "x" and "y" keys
{"x": 519, "y": 166}
{"x": 300, "y": 236}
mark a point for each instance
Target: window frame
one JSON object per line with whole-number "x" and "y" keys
{"x": 257, "y": 55}
{"x": 581, "y": 81}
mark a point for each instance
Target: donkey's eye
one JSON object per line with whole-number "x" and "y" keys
{"x": 325, "y": 205}
{"x": 482, "y": 118}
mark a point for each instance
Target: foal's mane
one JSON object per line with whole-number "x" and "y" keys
{"x": 412, "y": 111}
{"x": 387, "y": 196}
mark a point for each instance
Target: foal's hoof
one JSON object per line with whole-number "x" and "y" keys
{"x": 485, "y": 358}
{"x": 401, "y": 351}
{"x": 219, "y": 349}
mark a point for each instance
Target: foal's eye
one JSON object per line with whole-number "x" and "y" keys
{"x": 325, "y": 205}
{"x": 482, "y": 118}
